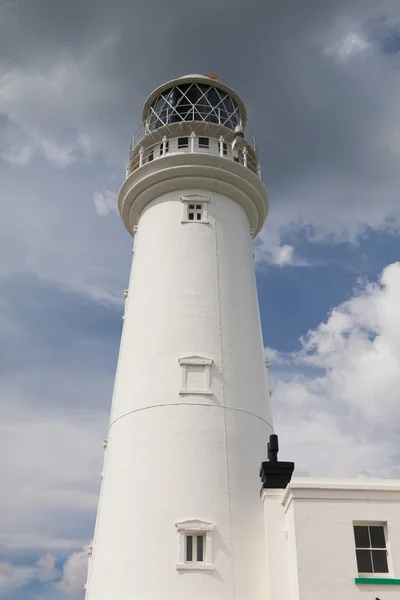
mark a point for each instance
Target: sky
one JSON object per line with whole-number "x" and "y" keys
{"x": 321, "y": 82}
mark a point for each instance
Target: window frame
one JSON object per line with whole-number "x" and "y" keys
{"x": 182, "y": 144}
{"x": 202, "y": 144}
{"x": 197, "y": 361}
{"x": 195, "y": 199}
{"x": 194, "y": 527}
{"x": 161, "y": 152}
{"x": 224, "y": 148}
{"x": 373, "y": 574}
{"x": 194, "y": 550}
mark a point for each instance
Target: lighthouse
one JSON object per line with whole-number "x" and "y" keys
{"x": 179, "y": 515}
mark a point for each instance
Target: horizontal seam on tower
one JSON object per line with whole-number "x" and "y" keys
{"x": 189, "y": 404}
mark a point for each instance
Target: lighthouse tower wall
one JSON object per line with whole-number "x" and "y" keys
{"x": 173, "y": 454}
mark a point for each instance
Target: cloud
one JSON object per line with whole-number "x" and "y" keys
{"x": 351, "y": 44}
{"x": 34, "y": 103}
{"x": 70, "y": 581}
{"x": 74, "y": 573}
{"x": 13, "y": 577}
{"x": 105, "y": 202}
{"x": 18, "y": 156}
{"x": 55, "y": 389}
{"x": 47, "y": 570}
{"x": 322, "y": 94}
{"x": 341, "y": 391}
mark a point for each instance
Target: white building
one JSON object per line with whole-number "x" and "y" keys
{"x": 311, "y": 550}
{"x": 180, "y": 515}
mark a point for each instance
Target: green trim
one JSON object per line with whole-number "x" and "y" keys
{"x": 376, "y": 581}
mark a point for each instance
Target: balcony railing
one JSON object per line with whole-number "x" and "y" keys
{"x": 227, "y": 147}
{"x": 195, "y": 123}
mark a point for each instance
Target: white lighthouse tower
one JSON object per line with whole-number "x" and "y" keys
{"x": 179, "y": 515}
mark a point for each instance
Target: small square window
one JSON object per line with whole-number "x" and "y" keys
{"x": 371, "y": 552}
{"x": 195, "y": 208}
{"x": 183, "y": 142}
{"x": 195, "y": 212}
{"x": 204, "y": 142}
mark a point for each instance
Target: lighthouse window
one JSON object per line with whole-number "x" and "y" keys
{"x": 200, "y": 547}
{"x": 204, "y": 142}
{"x": 189, "y": 548}
{"x": 150, "y": 156}
{"x": 195, "y": 212}
{"x": 195, "y": 208}
{"x": 195, "y": 548}
{"x": 194, "y": 545}
{"x": 162, "y": 148}
{"x": 183, "y": 142}
{"x": 222, "y": 146}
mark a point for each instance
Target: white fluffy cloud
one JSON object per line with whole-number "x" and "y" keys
{"x": 70, "y": 581}
{"x": 104, "y": 202}
{"x": 74, "y": 573}
{"x": 47, "y": 570}
{"x": 341, "y": 392}
{"x": 349, "y": 45}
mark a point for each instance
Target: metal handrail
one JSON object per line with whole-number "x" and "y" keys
{"x": 144, "y": 129}
{"x": 244, "y": 155}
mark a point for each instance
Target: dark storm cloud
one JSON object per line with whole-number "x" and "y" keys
{"x": 321, "y": 120}
{"x": 307, "y": 110}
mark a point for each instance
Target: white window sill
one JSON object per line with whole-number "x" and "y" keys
{"x": 194, "y": 567}
{"x": 197, "y": 392}
{"x": 193, "y": 221}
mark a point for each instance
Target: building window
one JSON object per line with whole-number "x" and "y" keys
{"x": 371, "y": 551}
{"x": 239, "y": 158}
{"x": 194, "y": 550}
{"x": 194, "y": 544}
{"x": 183, "y": 142}
{"x": 150, "y": 156}
{"x": 195, "y": 212}
{"x": 204, "y": 142}
{"x": 224, "y": 148}
{"x": 166, "y": 148}
{"x": 195, "y": 208}
{"x": 195, "y": 375}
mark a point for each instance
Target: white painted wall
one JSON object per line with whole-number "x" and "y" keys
{"x": 310, "y": 552}
{"x": 172, "y": 457}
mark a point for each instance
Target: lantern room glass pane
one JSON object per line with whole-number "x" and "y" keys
{"x": 193, "y": 102}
